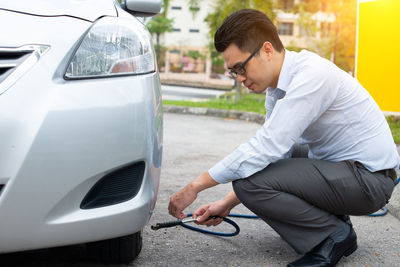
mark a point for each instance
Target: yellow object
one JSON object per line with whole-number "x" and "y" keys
{"x": 378, "y": 51}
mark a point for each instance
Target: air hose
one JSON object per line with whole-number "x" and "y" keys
{"x": 184, "y": 222}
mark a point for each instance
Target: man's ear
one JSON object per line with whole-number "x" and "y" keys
{"x": 268, "y": 49}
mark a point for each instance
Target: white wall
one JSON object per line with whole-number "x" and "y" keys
{"x": 184, "y": 20}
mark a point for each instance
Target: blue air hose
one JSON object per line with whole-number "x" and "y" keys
{"x": 197, "y": 229}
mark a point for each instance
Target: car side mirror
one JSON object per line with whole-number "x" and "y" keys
{"x": 142, "y": 8}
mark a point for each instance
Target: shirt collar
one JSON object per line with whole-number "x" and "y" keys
{"x": 284, "y": 75}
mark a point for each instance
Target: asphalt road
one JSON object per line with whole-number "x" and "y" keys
{"x": 192, "y": 144}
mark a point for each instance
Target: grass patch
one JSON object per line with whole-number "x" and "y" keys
{"x": 248, "y": 102}
{"x": 255, "y": 103}
{"x": 394, "y": 124}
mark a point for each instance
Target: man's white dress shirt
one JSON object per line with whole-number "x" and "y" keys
{"x": 318, "y": 104}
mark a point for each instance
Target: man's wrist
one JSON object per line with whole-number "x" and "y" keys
{"x": 202, "y": 182}
{"x": 231, "y": 200}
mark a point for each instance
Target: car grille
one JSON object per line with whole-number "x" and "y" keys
{"x": 10, "y": 60}
{"x": 14, "y": 62}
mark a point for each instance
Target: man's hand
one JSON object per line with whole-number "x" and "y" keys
{"x": 219, "y": 208}
{"x": 179, "y": 201}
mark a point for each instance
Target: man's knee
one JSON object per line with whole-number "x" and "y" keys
{"x": 238, "y": 187}
{"x": 243, "y": 190}
{"x": 251, "y": 195}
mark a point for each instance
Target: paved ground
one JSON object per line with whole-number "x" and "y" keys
{"x": 192, "y": 145}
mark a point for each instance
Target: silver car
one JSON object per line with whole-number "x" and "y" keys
{"x": 80, "y": 125}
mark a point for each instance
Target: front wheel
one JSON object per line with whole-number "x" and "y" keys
{"x": 117, "y": 250}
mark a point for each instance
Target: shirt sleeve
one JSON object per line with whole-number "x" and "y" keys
{"x": 309, "y": 94}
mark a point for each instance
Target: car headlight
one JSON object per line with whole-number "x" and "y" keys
{"x": 113, "y": 47}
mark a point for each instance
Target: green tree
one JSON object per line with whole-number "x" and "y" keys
{"x": 195, "y": 54}
{"x": 165, "y": 7}
{"x": 159, "y": 25}
{"x": 223, "y": 8}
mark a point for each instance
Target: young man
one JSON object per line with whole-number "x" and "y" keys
{"x": 345, "y": 167}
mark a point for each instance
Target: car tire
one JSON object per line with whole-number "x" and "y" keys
{"x": 117, "y": 250}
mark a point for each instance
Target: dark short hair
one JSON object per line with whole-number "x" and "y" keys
{"x": 247, "y": 29}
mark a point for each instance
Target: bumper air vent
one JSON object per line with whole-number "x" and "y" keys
{"x": 116, "y": 187}
{"x": 1, "y": 188}
{"x": 14, "y": 62}
{"x": 10, "y": 60}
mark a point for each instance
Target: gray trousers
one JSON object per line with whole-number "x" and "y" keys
{"x": 300, "y": 197}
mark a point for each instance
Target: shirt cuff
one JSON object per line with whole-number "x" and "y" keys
{"x": 221, "y": 174}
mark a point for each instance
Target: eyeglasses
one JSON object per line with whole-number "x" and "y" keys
{"x": 239, "y": 68}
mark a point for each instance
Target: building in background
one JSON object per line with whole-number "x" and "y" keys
{"x": 291, "y": 25}
{"x": 190, "y": 29}
{"x": 187, "y": 44}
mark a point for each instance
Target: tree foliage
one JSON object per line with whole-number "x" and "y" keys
{"x": 223, "y": 8}
{"x": 195, "y": 55}
{"x": 165, "y": 7}
{"x": 337, "y": 41}
{"x": 160, "y": 24}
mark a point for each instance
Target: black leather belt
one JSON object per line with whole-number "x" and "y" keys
{"x": 391, "y": 173}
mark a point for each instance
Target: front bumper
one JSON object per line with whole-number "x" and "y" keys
{"x": 58, "y": 138}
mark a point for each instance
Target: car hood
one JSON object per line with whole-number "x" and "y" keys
{"x": 85, "y": 9}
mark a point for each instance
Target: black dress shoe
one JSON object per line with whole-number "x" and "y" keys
{"x": 328, "y": 252}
